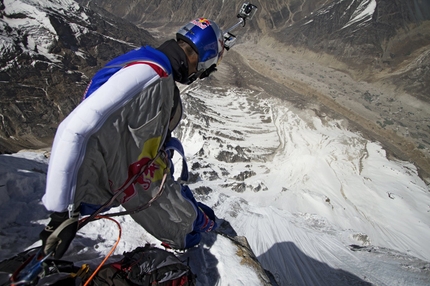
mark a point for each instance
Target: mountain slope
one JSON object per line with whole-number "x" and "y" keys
{"x": 375, "y": 38}
{"x": 319, "y": 205}
{"x": 37, "y": 92}
{"x": 384, "y": 43}
{"x": 48, "y": 53}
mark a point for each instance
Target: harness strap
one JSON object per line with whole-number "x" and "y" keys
{"x": 173, "y": 144}
{"x": 128, "y": 182}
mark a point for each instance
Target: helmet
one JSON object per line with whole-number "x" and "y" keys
{"x": 206, "y": 38}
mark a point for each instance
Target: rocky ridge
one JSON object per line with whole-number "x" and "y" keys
{"x": 365, "y": 61}
{"x": 47, "y": 62}
{"x": 383, "y": 44}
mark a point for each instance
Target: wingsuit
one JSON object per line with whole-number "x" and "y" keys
{"x": 118, "y": 139}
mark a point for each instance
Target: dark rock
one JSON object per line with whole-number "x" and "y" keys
{"x": 244, "y": 175}
{"x": 36, "y": 93}
{"x": 394, "y": 36}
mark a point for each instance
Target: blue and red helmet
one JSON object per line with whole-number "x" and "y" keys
{"x": 206, "y": 38}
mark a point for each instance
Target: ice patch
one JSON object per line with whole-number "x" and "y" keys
{"x": 363, "y": 13}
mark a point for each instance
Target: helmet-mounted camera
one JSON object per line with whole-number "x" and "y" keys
{"x": 247, "y": 11}
{"x": 209, "y": 41}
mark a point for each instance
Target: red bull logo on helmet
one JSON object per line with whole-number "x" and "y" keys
{"x": 202, "y": 23}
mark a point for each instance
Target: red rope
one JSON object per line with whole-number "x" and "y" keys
{"x": 110, "y": 252}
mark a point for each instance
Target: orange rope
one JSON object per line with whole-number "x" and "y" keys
{"x": 110, "y": 252}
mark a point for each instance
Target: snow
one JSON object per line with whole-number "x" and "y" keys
{"x": 363, "y": 13}
{"x": 6, "y": 43}
{"x": 36, "y": 24}
{"x": 323, "y": 189}
{"x": 40, "y": 32}
{"x": 327, "y": 188}
{"x": 321, "y": 205}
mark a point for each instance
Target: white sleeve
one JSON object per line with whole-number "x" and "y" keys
{"x": 70, "y": 141}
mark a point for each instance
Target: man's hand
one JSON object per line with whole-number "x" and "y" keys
{"x": 59, "y": 233}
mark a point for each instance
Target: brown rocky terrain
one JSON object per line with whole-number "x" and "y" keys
{"x": 373, "y": 73}
{"x": 379, "y": 110}
{"x": 327, "y": 56}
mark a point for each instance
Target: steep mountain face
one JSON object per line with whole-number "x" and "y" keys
{"x": 48, "y": 53}
{"x": 272, "y": 15}
{"x": 384, "y": 38}
{"x": 374, "y": 38}
{"x": 382, "y": 42}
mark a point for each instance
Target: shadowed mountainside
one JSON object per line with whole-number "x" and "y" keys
{"x": 45, "y": 70}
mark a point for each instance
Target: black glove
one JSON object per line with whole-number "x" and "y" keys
{"x": 59, "y": 233}
{"x": 208, "y": 71}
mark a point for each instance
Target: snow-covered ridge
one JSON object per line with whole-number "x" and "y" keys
{"x": 28, "y": 28}
{"x": 319, "y": 205}
{"x": 357, "y": 12}
{"x": 319, "y": 189}
{"x": 31, "y": 20}
{"x": 363, "y": 13}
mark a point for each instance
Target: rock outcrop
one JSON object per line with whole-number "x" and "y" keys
{"x": 46, "y": 64}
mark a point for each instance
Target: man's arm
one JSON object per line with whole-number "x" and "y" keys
{"x": 74, "y": 132}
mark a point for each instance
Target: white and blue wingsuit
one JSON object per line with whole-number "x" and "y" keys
{"x": 118, "y": 138}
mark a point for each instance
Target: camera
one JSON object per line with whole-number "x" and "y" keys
{"x": 247, "y": 11}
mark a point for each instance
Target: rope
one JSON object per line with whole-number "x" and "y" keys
{"x": 145, "y": 206}
{"x": 118, "y": 192}
{"x": 110, "y": 252}
{"x": 96, "y": 216}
